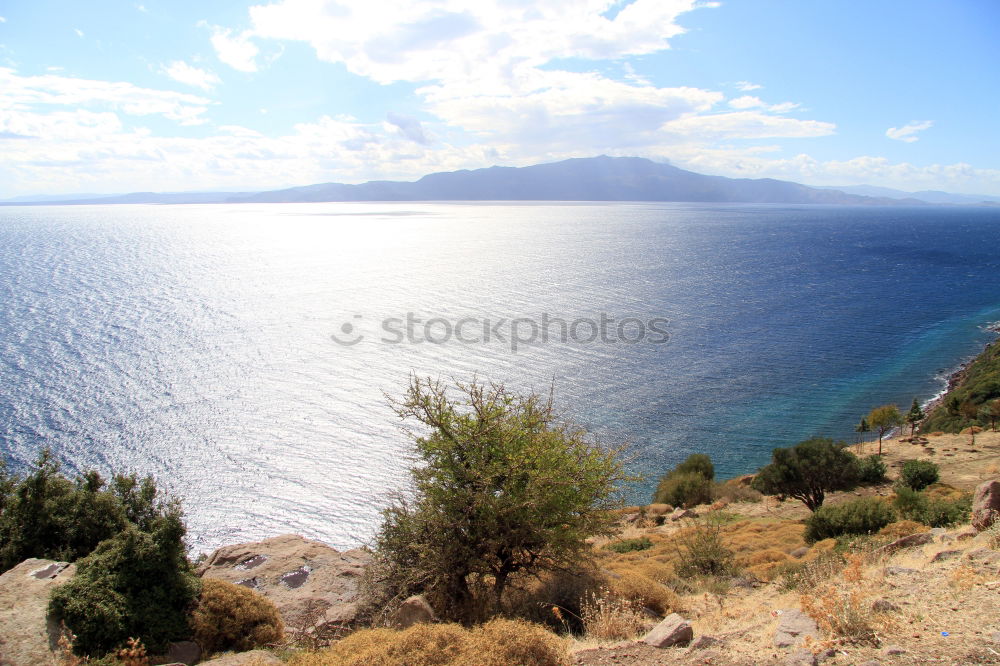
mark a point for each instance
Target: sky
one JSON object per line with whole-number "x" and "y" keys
{"x": 177, "y": 95}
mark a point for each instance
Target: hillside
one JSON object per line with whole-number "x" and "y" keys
{"x": 971, "y": 392}
{"x": 586, "y": 179}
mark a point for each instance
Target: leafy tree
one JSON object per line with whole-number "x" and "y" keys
{"x": 918, "y": 474}
{"x": 914, "y": 416}
{"x": 44, "y": 514}
{"x": 862, "y": 428}
{"x": 808, "y": 470}
{"x": 884, "y": 419}
{"x": 687, "y": 484}
{"x": 502, "y": 489}
{"x": 991, "y": 412}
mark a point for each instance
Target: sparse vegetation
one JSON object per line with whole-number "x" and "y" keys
{"x": 979, "y": 385}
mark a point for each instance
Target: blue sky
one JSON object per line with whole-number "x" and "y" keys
{"x": 181, "y": 95}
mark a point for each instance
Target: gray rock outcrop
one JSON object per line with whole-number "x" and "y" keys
{"x": 314, "y": 586}
{"x": 672, "y": 630}
{"x": 986, "y": 505}
{"x": 28, "y": 635}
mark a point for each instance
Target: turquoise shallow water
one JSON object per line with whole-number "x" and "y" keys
{"x": 194, "y": 342}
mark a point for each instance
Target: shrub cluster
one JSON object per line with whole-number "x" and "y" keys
{"x": 688, "y": 484}
{"x": 929, "y": 509}
{"x": 918, "y": 474}
{"x": 135, "y": 584}
{"x": 233, "y": 617}
{"x": 871, "y": 470}
{"x": 867, "y": 515}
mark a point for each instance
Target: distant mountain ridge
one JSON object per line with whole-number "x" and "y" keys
{"x": 579, "y": 179}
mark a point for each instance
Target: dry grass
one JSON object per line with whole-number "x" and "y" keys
{"x": 496, "y": 643}
{"x": 902, "y": 528}
{"x": 845, "y": 610}
{"x": 607, "y": 616}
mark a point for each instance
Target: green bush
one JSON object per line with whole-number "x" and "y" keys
{"x": 872, "y": 470}
{"x": 861, "y": 516}
{"x": 233, "y": 617}
{"x": 918, "y": 474}
{"x": 697, "y": 463}
{"x": 932, "y": 511}
{"x": 630, "y": 545}
{"x": 134, "y": 585}
{"x": 46, "y": 515}
{"x": 683, "y": 489}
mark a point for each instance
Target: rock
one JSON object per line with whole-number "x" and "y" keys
{"x": 871, "y": 662}
{"x": 251, "y": 658}
{"x": 898, "y": 571}
{"x": 893, "y": 650}
{"x": 986, "y": 504}
{"x": 313, "y": 585}
{"x": 680, "y": 513}
{"x": 826, "y": 655}
{"x": 414, "y": 610}
{"x": 793, "y": 629}
{"x": 801, "y": 658}
{"x": 184, "y": 652}
{"x": 884, "y": 606}
{"x": 703, "y": 643}
{"x": 938, "y": 531}
{"x": 672, "y": 630}
{"x": 966, "y": 534}
{"x": 799, "y": 552}
{"x": 28, "y": 636}
{"x": 985, "y": 555}
{"x": 919, "y": 539}
{"x": 630, "y": 517}
{"x": 943, "y": 555}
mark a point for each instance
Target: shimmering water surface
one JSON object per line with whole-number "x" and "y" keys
{"x": 194, "y": 342}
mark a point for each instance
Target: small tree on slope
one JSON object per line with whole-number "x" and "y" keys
{"x": 808, "y": 470}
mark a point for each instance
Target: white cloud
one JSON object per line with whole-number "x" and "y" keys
{"x": 746, "y": 102}
{"x": 236, "y": 50}
{"x": 746, "y": 86}
{"x": 2, "y": 19}
{"x": 36, "y": 93}
{"x": 908, "y": 131}
{"x": 79, "y": 33}
{"x": 746, "y": 125}
{"x": 184, "y": 73}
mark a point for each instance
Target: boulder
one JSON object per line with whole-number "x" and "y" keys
{"x": 793, "y": 629}
{"x": 672, "y": 630}
{"x": 680, "y": 513}
{"x": 893, "y": 651}
{"x": 28, "y": 635}
{"x": 801, "y": 657}
{"x": 799, "y": 552}
{"x": 884, "y": 606}
{"x": 986, "y": 504}
{"x": 943, "y": 555}
{"x": 919, "y": 539}
{"x": 414, "y": 610}
{"x": 313, "y": 586}
{"x": 251, "y": 658}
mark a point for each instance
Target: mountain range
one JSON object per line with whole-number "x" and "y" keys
{"x": 581, "y": 179}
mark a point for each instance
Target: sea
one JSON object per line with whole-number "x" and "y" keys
{"x": 247, "y": 355}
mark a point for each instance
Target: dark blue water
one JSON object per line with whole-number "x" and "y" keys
{"x": 193, "y": 342}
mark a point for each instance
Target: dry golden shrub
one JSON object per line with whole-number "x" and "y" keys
{"x": 233, "y": 617}
{"x": 902, "y": 528}
{"x": 645, "y": 592}
{"x": 658, "y": 509}
{"x": 607, "y": 616}
{"x": 133, "y": 654}
{"x": 496, "y": 643}
{"x": 845, "y": 610}
{"x": 945, "y": 492}
{"x": 750, "y": 536}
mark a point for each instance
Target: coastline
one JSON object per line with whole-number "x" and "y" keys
{"x": 956, "y": 376}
